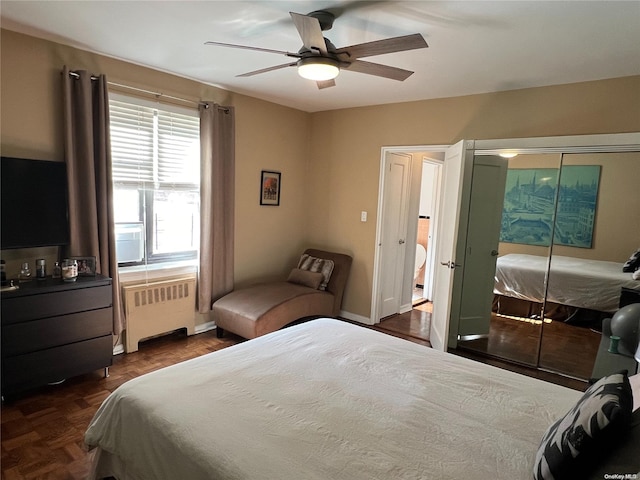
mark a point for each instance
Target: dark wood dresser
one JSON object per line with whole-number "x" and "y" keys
{"x": 53, "y": 330}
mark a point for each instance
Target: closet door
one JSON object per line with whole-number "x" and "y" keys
{"x": 483, "y": 233}
{"x": 394, "y": 231}
{"x": 527, "y": 207}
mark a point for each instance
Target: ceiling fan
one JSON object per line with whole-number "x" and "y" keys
{"x": 320, "y": 60}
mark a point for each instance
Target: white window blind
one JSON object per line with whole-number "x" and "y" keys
{"x": 152, "y": 145}
{"x": 132, "y": 142}
{"x": 178, "y": 149}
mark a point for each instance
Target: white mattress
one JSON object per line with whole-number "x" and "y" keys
{"x": 576, "y": 282}
{"x": 326, "y": 400}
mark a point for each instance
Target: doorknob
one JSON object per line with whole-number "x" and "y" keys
{"x": 451, "y": 264}
{"x": 494, "y": 253}
{"x": 400, "y": 241}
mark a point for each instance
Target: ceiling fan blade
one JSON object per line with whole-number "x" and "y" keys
{"x": 268, "y": 69}
{"x": 326, "y": 83}
{"x": 310, "y": 32}
{"x": 389, "y": 45}
{"x": 378, "y": 70}
{"x": 258, "y": 49}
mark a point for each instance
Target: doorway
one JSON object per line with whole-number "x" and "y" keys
{"x": 429, "y": 192}
{"x": 396, "y": 272}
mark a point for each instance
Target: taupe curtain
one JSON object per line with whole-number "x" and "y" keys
{"x": 217, "y": 191}
{"x": 88, "y": 159}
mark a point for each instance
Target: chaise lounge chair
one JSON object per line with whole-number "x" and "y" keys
{"x": 314, "y": 288}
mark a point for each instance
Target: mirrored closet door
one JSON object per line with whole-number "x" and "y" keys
{"x": 597, "y": 228}
{"x": 523, "y": 251}
{"x": 569, "y": 222}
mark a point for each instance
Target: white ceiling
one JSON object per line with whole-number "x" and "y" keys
{"x": 474, "y": 46}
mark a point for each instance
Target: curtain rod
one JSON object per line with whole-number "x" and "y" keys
{"x": 155, "y": 94}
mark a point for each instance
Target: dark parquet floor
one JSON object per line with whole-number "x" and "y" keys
{"x": 42, "y": 433}
{"x": 413, "y": 326}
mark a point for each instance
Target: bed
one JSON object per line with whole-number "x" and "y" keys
{"x": 588, "y": 284}
{"x": 325, "y": 400}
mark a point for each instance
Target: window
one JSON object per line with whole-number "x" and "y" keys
{"x": 155, "y": 151}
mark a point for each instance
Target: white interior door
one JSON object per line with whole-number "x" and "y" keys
{"x": 481, "y": 250}
{"x": 455, "y": 160}
{"x": 394, "y": 229}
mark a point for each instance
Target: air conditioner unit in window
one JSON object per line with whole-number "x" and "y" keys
{"x": 130, "y": 242}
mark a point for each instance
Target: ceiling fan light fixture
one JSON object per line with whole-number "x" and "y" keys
{"x": 318, "y": 68}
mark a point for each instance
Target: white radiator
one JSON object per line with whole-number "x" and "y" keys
{"x": 157, "y": 308}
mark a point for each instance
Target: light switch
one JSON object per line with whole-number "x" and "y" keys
{"x": 363, "y": 216}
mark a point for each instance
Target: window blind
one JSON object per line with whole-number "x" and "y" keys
{"x": 151, "y": 146}
{"x": 132, "y": 142}
{"x": 178, "y": 148}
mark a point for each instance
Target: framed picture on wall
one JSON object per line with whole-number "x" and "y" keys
{"x": 270, "y": 188}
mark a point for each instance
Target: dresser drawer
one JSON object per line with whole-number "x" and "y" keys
{"x": 22, "y": 372}
{"x": 33, "y": 307}
{"x": 24, "y": 337}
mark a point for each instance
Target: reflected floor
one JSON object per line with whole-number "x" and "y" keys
{"x": 568, "y": 349}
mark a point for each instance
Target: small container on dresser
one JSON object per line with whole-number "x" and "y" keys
{"x": 69, "y": 270}
{"x": 41, "y": 269}
{"x": 25, "y": 273}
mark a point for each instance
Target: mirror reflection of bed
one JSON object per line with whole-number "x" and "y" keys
{"x": 550, "y": 300}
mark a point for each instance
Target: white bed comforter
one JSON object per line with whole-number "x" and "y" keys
{"x": 576, "y": 282}
{"x": 326, "y": 400}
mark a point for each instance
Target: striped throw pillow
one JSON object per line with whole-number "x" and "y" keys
{"x": 315, "y": 264}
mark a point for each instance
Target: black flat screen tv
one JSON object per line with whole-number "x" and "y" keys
{"x": 33, "y": 208}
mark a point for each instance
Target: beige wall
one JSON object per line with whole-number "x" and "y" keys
{"x": 269, "y": 137}
{"x": 329, "y": 160}
{"x": 616, "y": 232}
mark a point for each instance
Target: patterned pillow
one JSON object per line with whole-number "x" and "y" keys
{"x": 315, "y": 264}
{"x": 633, "y": 263}
{"x": 572, "y": 443}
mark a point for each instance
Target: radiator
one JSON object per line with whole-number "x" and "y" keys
{"x": 160, "y": 307}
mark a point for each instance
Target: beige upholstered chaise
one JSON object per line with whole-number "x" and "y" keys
{"x": 259, "y": 309}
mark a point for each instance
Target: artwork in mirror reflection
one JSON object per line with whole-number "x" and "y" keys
{"x": 529, "y": 205}
{"x": 577, "y": 205}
